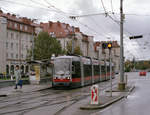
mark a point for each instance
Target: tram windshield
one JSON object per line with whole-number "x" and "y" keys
{"x": 62, "y": 66}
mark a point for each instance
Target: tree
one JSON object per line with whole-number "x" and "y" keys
{"x": 77, "y": 49}
{"x": 45, "y": 46}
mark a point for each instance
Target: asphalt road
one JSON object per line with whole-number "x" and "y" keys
{"x": 137, "y": 103}
{"x": 47, "y": 102}
{"x": 67, "y": 102}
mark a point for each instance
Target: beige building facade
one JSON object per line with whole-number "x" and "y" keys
{"x": 66, "y": 33}
{"x": 16, "y": 38}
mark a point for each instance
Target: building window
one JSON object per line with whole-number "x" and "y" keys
{"x": 16, "y": 56}
{"x": 7, "y": 45}
{"x": 21, "y": 27}
{"x": 17, "y": 36}
{"x": 26, "y": 47}
{"x": 22, "y": 46}
{"x": 12, "y": 45}
{"x": 21, "y": 55}
{"x": 52, "y": 34}
{"x": 6, "y": 55}
{"x": 10, "y": 24}
{"x": 12, "y": 55}
{"x": 17, "y": 45}
{"x": 7, "y": 34}
{"x": 12, "y": 35}
{"x": 15, "y": 25}
{"x": 26, "y": 28}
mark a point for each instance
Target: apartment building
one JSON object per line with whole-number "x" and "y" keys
{"x": 16, "y": 38}
{"x": 17, "y": 34}
{"x": 66, "y": 33}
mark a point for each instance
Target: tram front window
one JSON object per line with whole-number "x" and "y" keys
{"x": 62, "y": 66}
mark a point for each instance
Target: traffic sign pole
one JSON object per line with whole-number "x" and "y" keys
{"x": 110, "y": 63}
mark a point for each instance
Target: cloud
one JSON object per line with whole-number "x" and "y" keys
{"x": 101, "y": 27}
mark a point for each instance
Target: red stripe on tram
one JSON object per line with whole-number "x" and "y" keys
{"x": 76, "y": 79}
{"x": 61, "y": 80}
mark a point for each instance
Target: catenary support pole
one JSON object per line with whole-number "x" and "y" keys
{"x": 110, "y": 63}
{"x": 121, "y": 82}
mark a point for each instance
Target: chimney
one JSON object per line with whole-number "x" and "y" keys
{"x": 77, "y": 29}
{"x": 50, "y": 23}
{"x": 13, "y": 15}
{"x": 67, "y": 25}
{"x": 8, "y": 14}
{"x": 1, "y": 11}
{"x": 58, "y": 23}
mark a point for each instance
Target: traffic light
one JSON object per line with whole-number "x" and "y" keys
{"x": 109, "y": 45}
{"x": 104, "y": 45}
{"x": 135, "y": 37}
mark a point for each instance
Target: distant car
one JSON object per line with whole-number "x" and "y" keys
{"x": 116, "y": 72}
{"x": 142, "y": 73}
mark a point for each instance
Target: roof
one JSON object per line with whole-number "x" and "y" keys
{"x": 60, "y": 30}
{"x": 13, "y": 17}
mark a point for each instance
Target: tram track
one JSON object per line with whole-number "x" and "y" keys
{"x": 51, "y": 101}
{"x": 65, "y": 107}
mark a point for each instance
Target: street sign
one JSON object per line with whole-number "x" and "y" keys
{"x": 94, "y": 94}
{"x": 135, "y": 37}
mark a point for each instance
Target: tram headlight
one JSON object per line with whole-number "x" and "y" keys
{"x": 55, "y": 77}
{"x": 68, "y": 77}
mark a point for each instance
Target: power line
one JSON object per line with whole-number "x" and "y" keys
{"x": 103, "y": 7}
{"x": 62, "y": 13}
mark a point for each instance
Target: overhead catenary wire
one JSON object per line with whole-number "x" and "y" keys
{"x": 110, "y": 16}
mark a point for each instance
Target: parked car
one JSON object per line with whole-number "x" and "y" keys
{"x": 142, "y": 73}
{"x": 116, "y": 72}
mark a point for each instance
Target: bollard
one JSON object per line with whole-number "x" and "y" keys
{"x": 94, "y": 95}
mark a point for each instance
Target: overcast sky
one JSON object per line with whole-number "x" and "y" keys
{"x": 137, "y": 16}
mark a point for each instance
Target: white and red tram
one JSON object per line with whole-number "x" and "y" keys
{"x": 78, "y": 71}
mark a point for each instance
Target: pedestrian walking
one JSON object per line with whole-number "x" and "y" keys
{"x": 18, "y": 77}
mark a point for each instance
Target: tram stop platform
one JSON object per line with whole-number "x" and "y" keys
{"x": 8, "y": 91}
{"x": 105, "y": 99}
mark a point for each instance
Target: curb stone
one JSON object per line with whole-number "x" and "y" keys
{"x": 91, "y": 107}
{"x": 102, "y": 106}
{"x": 130, "y": 90}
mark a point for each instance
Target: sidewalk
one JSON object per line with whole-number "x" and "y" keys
{"x": 7, "y": 91}
{"x": 105, "y": 99}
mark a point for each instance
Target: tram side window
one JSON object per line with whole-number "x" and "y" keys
{"x": 87, "y": 70}
{"x": 112, "y": 69}
{"x": 76, "y": 70}
{"x": 108, "y": 69}
{"x": 103, "y": 69}
{"x": 96, "y": 70}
